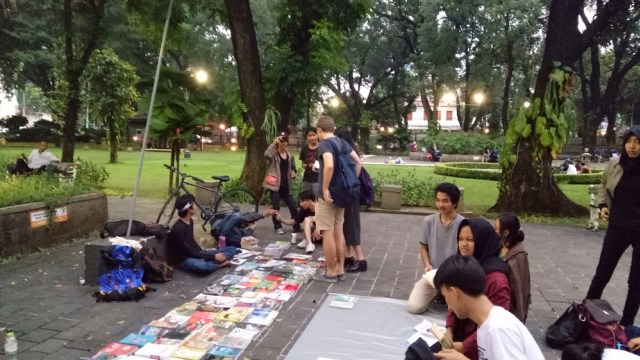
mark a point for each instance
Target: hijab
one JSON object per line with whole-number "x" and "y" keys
{"x": 487, "y": 245}
{"x": 630, "y": 165}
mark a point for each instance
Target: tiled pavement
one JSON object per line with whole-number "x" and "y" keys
{"x": 55, "y": 318}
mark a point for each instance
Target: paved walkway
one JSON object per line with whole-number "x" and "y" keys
{"x": 55, "y": 318}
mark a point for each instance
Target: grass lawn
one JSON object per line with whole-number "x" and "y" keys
{"x": 479, "y": 195}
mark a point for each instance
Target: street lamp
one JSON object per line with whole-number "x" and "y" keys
{"x": 526, "y": 104}
{"x": 201, "y": 76}
{"x": 478, "y": 98}
{"x": 334, "y": 102}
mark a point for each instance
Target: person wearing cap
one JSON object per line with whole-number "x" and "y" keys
{"x": 618, "y": 203}
{"x": 281, "y": 168}
{"x": 186, "y": 251}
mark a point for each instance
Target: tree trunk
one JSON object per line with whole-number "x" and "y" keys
{"x": 506, "y": 90}
{"x": 113, "y": 139}
{"x": 635, "y": 117}
{"x": 245, "y": 51}
{"x": 71, "y": 119}
{"x": 528, "y": 185}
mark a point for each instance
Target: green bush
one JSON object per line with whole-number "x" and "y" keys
{"x": 465, "y": 143}
{"x": 296, "y": 188}
{"x": 486, "y": 171}
{"x": 16, "y": 190}
{"x": 416, "y": 190}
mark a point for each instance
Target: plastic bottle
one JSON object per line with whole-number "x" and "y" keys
{"x": 222, "y": 242}
{"x": 11, "y": 346}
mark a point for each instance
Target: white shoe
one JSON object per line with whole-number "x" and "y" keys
{"x": 302, "y": 244}
{"x": 310, "y": 247}
{"x": 280, "y": 231}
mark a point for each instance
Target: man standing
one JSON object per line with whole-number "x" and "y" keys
{"x": 37, "y": 160}
{"x": 308, "y": 158}
{"x": 438, "y": 243}
{"x": 501, "y": 335}
{"x": 329, "y": 217}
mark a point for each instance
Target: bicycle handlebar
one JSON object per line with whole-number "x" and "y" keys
{"x": 173, "y": 169}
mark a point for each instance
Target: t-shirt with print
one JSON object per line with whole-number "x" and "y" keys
{"x": 303, "y": 214}
{"x": 441, "y": 240}
{"x": 309, "y": 157}
{"x": 325, "y": 147}
{"x": 503, "y": 336}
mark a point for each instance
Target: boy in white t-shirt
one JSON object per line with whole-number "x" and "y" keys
{"x": 501, "y": 335}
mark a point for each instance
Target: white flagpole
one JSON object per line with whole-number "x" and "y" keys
{"x": 149, "y": 117}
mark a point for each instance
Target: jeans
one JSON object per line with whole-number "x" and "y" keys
{"x": 616, "y": 241}
{"x": 202, "y": 266}
{"x": 276, "y": 196}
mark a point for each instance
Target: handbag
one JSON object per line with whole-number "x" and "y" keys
{"x": 570, "y": 327}
{"x": 603, "y": 323}
{"x": 271, "y": 180}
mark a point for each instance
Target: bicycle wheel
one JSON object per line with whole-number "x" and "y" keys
{"x": 167, "y": 211}
{"x": 236, "y": 200}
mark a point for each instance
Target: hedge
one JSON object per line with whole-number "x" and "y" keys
{"x": 482, "y": 171}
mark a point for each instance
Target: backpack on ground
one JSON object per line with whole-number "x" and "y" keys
{"x": 345, "y": 186}
{"x": 123, "y": 282}
{"x": 367, "y": 192}
{"x": 119, "y": 228}
{"x": 155, "y": 269}
{"x": 603, "y": 323}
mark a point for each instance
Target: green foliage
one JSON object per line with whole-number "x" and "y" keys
{"x": 90, "y": 175}
{"x": 491, "y": 171}
{"x": 270, "y": 124}
{"x": 466, "y": 143}
{"x": 593, "y": 178}
{"x": 416, "y": 190}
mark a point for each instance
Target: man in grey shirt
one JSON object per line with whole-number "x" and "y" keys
{"x": 438, "y": 243}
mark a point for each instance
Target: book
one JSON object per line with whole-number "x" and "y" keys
{"x": 292, "y": 256}
{"x": 234, "y": 341}
{"x": 186, "y": 309}
{"x": 235, "y": 314}
{"x": 217, "y": 301}
{"x": 261, "y": 317}
{"x": 237, "y": 261}
{"x": 269, "y": 304}
{"x": 157, "y": 351}
{"x": 188, "y": 353}
{"x": 225, "y": 351}
{"x": 430, "y": 340}
{"x": 115, "y": 349}
{"x": 209, "y": 334}
{"x": 244, "y": 333}
{"x": 439, "y": 335}
{"x": 283, "y": 295}
{"x": 137, "y": 339}
{"x": 152, "y": 330}
{"x": 344, "y": 302}
{"x": 214, "y": 289}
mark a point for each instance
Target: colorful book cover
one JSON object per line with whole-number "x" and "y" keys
{"x": 217, "y": 301}
{"x": 117, "y": 349}
{"x": 284, "y": 295}
{"x": 137, "y": 339}
{"x": 274, "y": 278}
{"x": 186, "y": 309}
{"x": 223, "y": 324}
{"x": 236, "y": 342}
{"x": 189, "y": 353}
{"x": 261, "y": 317}
{"x": 289, "y": 286}
{"x": 269, "y": 304}
{"x": 248, "y": 334}
{"x": 214, "y": 289}
{"x": 250, "y": 327}
{"x": 158, "y": 332}
{"x": 229, "y": 279}
{"x": 225, "y": 351}
{"x": 157, "y": 351}
{"x": 170, "y": 321}
{"x": 261, "y": 258}
{"x": 237, "y": 261}
{"x": 265, "y": 286}
{"x": 295, "y": 256}
{"x": 258, "y": 273}
{"x": 202, "y": 317}
{"x": 235, "y": 314}
{"x": 344, "y": 302}
{"x": 247, "y": 302}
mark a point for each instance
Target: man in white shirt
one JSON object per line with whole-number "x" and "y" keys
{"x": 37, "y": 160}
{"x": 501, "y": 335}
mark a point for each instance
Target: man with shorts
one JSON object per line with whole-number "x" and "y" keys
{"x": 307, "y": 217}
{"x": 329, "y": 217}
{"x": 439, "y": 241}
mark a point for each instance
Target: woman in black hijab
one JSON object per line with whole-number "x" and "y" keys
{"x": 619, "y": 202}
{"x": 477, "y": 238}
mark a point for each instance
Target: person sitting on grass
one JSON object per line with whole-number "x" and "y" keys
{"x": 305, "y": 217}
{"x": 462, "y": 281}
{"x": 37, "y": 161}
{"x": 186, "y": 251}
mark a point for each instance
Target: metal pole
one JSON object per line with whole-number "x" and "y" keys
{"x": 149, "y": 116}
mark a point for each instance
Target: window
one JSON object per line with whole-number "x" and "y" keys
{"x": 449, "y": 115}
{"x": 409, "y": 116}
{"x": 425, "y": 115}
{"x": 439, "y": 115}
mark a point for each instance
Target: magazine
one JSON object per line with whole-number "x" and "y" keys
{"x": 344, "y": 302}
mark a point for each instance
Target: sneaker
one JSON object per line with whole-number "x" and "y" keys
{"x": 341, "y": 277}
{"x": 322, "y": 259}
{"x": 303, "y": 244}
{"x": 359, "y": 266}
{"x": 279, "y": 231}
{"x": 325, "y": 278}
{"x": 310, "y": 247}
{"x": 349, "y": 261}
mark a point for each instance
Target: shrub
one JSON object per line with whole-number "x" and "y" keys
{"x": 491, "y": 171}
{"x": 465, "y": 143}
{"x": 416, "y": 190}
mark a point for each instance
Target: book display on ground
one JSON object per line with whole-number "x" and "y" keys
{"x": 223, "y": 320}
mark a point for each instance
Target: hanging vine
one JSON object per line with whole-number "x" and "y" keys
{"x": 547, "y": 120}
{"x": 270, "y": 124}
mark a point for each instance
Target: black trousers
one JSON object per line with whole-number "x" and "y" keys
{"x": 616, "y": 241}
{"x": 283, "y": 194}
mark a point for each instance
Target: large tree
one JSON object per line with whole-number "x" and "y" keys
{"x": 527, "y": 183}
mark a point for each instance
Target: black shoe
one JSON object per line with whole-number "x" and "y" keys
{"x": 349, "y": 261}
{"x": 359, "y": 266}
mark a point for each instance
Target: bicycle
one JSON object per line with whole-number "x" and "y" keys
{"x": 222, "y": 202}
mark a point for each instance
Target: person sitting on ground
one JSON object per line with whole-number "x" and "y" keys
{"x": 572, "y": 169}
{"x": 186, "y": 251}
{"x": 37, "y": 161}
{"x": 438, "y": 243}
{"x": 514, "y": 254}
{"x": 591, "y": 351}
{"x": 477, "y": 238}
{"x": 565, "y": 164}
{"x": 500, "y": 335}
{"x": 584, "y": 169}
{"x": 237, "y": 225}
{"x": 306, "y": 217}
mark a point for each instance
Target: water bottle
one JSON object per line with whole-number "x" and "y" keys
{"x": 222, "y": 242}
{"x": 11, "y": 346}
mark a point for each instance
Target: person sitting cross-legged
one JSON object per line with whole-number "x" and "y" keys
{"x": 186, "y": 251}
{"x": 307, "y": 217}
{"x": 462, "y": 281}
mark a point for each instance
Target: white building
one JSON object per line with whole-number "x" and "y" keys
{"x": 8, "y": 105}
{"x": 447, "y": 116}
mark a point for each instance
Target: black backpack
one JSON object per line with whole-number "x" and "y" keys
{"x": 119, "y": 228}
{"x": 155, "y": 269}
{"x": 345, "y": 186}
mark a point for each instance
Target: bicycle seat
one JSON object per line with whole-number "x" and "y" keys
{"x": 221, "y": 178}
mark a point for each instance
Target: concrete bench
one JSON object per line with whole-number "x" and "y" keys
{"x": 94, "y": 265}
{"x": 461, "y": 158}
{"x": 418, "y": 156}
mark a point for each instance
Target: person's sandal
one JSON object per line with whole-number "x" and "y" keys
{"x": 325, "y": 278}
